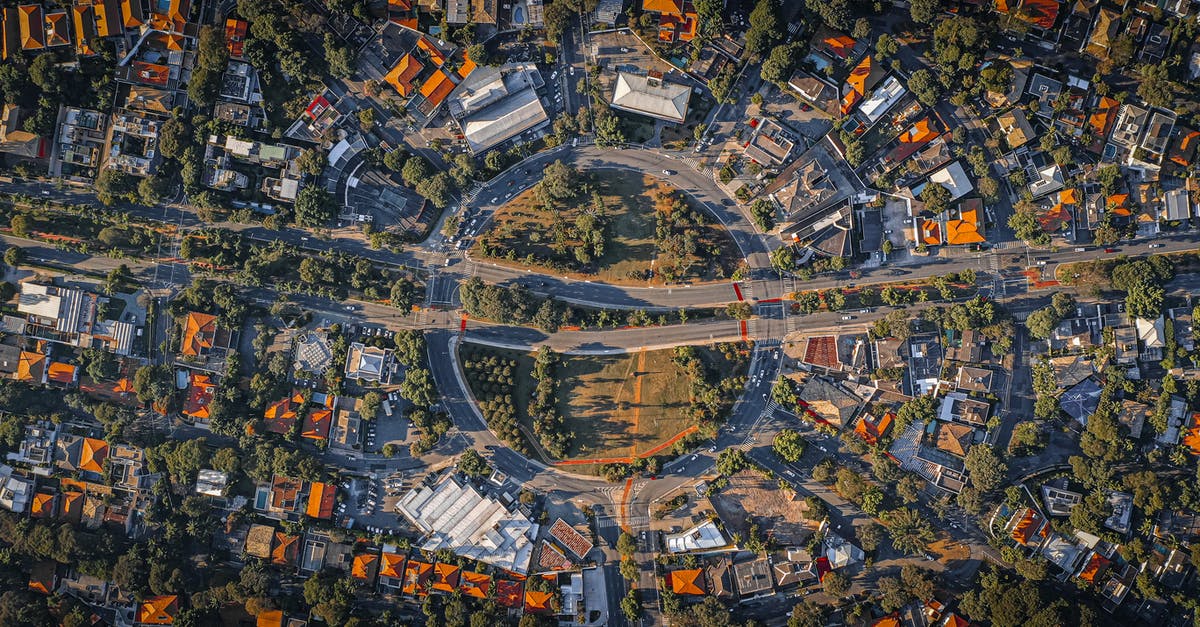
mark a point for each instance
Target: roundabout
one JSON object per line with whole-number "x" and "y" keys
{"x": 761, "y": 283}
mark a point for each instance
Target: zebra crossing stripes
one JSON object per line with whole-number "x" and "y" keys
{"x": 635, "y": 522}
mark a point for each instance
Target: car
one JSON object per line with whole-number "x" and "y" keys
{"x": 712, "y": 449}
{"x": 1110, "y": 250}
{"x": 1042, "y": 262}
{"x": 554, "y": 75}
{"x": 668, "y": 172}
{"x": 847, "y": 317}
{"x": 868, "y": 310}
{"x": 1156, "y": 246}
{"x": 887, "y": 232}
{"x": 1079, "y": 249}
{"x": 349, "y": 307}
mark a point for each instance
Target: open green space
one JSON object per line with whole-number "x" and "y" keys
{"x": 616, "y": 227}
{"x": 613, "y": 406}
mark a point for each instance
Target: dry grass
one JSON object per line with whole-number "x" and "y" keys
{"x": 599, "y": 397}
{"x": 524, "y": 227}
{"x": 751, "y": 498}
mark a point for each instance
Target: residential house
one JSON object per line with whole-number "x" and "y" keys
{"x": 1014, "y": 128}
{"x": 651, "y": 96}
{"x": 368, "y": 363}
{"x": 828, "y": 402}
{"x": 687, "y": 582}
{"x": 753, "y": 577}
{"x": 281, "y": 415}
{"x": 957, "y": 407}
{"x": 972, "y": 379}
{"x": 15, "y": 140}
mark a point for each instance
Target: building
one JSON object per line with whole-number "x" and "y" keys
{"x": 687, "y": 582}
{"x": 1015, "y": 128}
{"x": 570, "y": 539}
{"x": 703, "y": 537}
{"x": 650, "y": 96}
{"x": 157, "y": 610}
{"x": 753, "y": 577}
{"x": 770, "y": 145}
{"x": 453, "y": 514}
{"x": 677, "y": 20}
{"x": 493, "y": 107}
{"x": 828, "y": 402}
{"x": 368, "y": 363}
{"x": 133, "y": 142}
{"x": 14, "y": 140}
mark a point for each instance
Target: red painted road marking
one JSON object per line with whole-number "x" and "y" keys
{"x": 686, "y": 432}
{"x": 462, "y": 326}
{"x": 771, "y": 300}
{"x": 738, "y": 291}
{"x": 745, "y": 332}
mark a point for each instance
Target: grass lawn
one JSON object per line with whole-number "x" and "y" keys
{"x": 521, "y": 235}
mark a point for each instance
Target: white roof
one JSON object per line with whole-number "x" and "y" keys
{"x": 503, "y": 120}
{"x": 702, "y": 537}
{"x": 882, "y": 99}
{"x": 658, "y": 100}
{"x": 36, "y": 300}
{"x": 458, "y": 517}
{"x": 1150, "y": 332}
{"x": 211, "y": 482}
{"x": 954, "y": 179}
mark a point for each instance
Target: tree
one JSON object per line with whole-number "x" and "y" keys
{"x": 629, "y": 569}
{"x": 44, "y": 73}
{"x": 314, "y": 207}
{"x": 436, "y": 189}
{"x": 924, "y": 11}
{"x": 312, "y": 161}
{"x": 835, "y": 13}
{"x": 886, "y": 46}
{"x": 473, "y": 464}
{"x": 789, "y": 445}
{"x": 957, "y": 45}
{"x": 117, "y": 279}
{"x": 740, "y": 310}
{"x": 112, "y": 184}
{"x": 777, "y": 68}
{"x": 402, "y": 294}
{"x": 1145, "y": 300}
{"x": 415, "y": 170}
{"x": 807, "y": 614}
{"x": 918, "y": 581}
{"x": 172, "y": 138}
{"x": 1154, "y": 84}
{"x": 394, "y": 160}
{"x": 152, "y": 189}
{"x": 910, "y": 531}
{"x": 936, "y": 197}
{"x": 765, "y": 27}
{"x": 15, "y": 256}
{"x": 762, "y": 211}
{"x": 985, "y": 468}
{"x": 783, "y": 259}
{"x": 870, "y": 535}
{"x": 340, "y": 57}
{"x": 631, "y": 605}
{"x": 626, "y": 544}
{"x": 478, "y": 53}
{"x": 1025, "y": 225}
{"x": 925, "y": 86}
{"x": 836, "y": 584}
{"x": 732, "y": 461}
{"x": 862, "y": 28}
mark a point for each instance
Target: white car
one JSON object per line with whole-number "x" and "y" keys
{"x": 667, "y": 172}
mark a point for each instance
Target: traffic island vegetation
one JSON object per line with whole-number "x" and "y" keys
{"x": 290, "y": 269}
{"x": 611, "y": 407}
{"x": 518, "y": 305}
{"x": 611, "y": 226}
{"x": 82, "y": 228}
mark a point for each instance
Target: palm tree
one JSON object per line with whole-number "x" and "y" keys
{"x": 910, "y": 532}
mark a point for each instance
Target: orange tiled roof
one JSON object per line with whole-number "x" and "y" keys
{"x": 509, "y": 593}
{"x": 286, "y": 549}
{"x": 1118, "y": 204}
{"x": 1027, "y": 527}
{"x": 1054, "y": 219}
{"x": 131, "y": 13}
{"x": 1040, "y": 13}
{"x": 200, "y": 394}
{"x": 269, "y": 618}
{"x": 445, "y": 577}
{"x": 159, "y": 610}
{"x": 43, "y": 505}
{"x": 175, "y": 16}
{"x": 434, "y": 53}
{"x": 86, "y": 27}
{"x": 365, "y": 565}
{"x": 199, "y": 331}
{"x": 437, "y": 87}
{"x": 537, "y": 601}
{"x": 1191, "y": 439}
{"x": 662, "y": 6}
{"x": 41, "y": 577}
{"x": 474, "y": 584}
{"x": 321, "y": 497}
{"x": 871, "y": 430}
{"x": 30, "y": 367}
{"x": 687, "y": 581}
{"x": 30, "y": 26}
{"x": 61, "y": 373}
{"x": 856, "y": 84}
{"x": 123, "y": 386}
{"x": 920, "y": 133}
{"x": 1101, "y": 120}
{"x": 931, "y": 232}
{"x": 466, "y": 68}
{"x": 1068, "y": 197}
{"x": 392, "y": 565}
{"x": 281, "y": 415}
{"x": 58, "y": 31}
{"x": 403, "y": 73}
{"x": 71, "y": 506}
{"x": 316, "y": 424}
{"x": 415, "y": 576}
{"x": 841, "y": 45}
{"x": 92, "y": 454}
{"x": 235, "y": 36}
{"x": 965, "y": 230}
{"x": 1094, "y": 567}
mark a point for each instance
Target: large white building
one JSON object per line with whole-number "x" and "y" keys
{"x": 650, "y": 96}
{"x": 494, "y": 107}
{"x": 454, "y": 515}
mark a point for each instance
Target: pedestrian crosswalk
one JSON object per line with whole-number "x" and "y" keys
{"x": 635, "y": 522}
